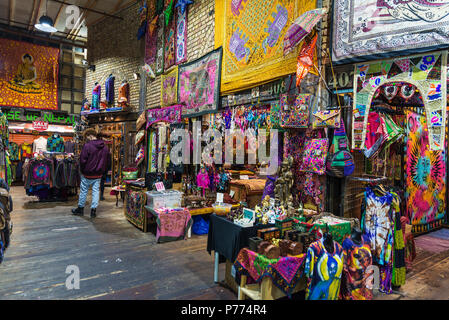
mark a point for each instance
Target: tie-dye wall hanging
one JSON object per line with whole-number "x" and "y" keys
{"x": 28, "y": 75}
{"x": 199, "y": 84}
{"x": 426, "y": 72}
{"x": 170, "y": 44}
{"x": 425, "y": 177}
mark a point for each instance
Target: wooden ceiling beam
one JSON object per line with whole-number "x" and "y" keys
{"x": 12, "y": 9}
{"x": 35, "y": 15}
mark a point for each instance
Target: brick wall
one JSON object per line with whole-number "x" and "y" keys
{"x": 113, "y": 46}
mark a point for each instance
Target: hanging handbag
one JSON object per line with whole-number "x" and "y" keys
{"x": 141, "y": 120}
{"x": 326, "y": 119}
{"x": 314, "y": 156}
{"x": 340, "y": 162}
{"x": 296, "y": 114}
{"x": 275, "y": 115}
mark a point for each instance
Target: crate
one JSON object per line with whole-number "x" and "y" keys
{"x": 269, "y": 233}
{"x": 254, "y": 243}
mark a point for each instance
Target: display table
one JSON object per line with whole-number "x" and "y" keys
{"x": 226, "y": 239}
{"x": 118, "y": 190}
{"x": 258, "y": 274}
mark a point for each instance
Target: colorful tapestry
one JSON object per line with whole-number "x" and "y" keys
{"x": 425, "y": 177}
{"x": 160, "y": 44}
{"x": 169, "y": 114}
{"x": 285, "y": 272}
{"x": 181, "y": 36}
{"x": 28, "y": 75}
{"x": 135, "y": 211}
{"x": 170, "y": 44}
{"x": 172, "y": 224}
{"x": 426, "y": 72}
{"x": 373, "y": 29}
{"x": 151, "y": 43}
{"x": 169, "y": 88}
{"x": 251, "y": 33}
{"x": 199, "y": 84}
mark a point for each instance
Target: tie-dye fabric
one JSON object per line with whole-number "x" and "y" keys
{"x": 425, "y": 177}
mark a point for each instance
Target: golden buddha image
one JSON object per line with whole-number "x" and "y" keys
{"x": 24, "y": 80}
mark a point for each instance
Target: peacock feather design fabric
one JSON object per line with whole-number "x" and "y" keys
{"x": 426, "y": 176}
{"x": 28, "y": 75}
{"x": 251, "y": 33}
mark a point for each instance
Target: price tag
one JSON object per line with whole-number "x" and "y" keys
{"x": 244, "y": 178}
{"x": 220, "y": 197}
{"x": 232, "y": 193}
{"x": 160, "y": 186}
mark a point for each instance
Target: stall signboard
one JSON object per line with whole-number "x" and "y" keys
{"x": 49, "y": 117}
{"x": 40, "y": 125}
{"x": 344, "y": 78}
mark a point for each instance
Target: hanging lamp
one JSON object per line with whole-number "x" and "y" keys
{"x": 45, "y": 22}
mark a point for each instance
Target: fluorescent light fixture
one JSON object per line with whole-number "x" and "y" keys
{"x": 45, "y": 24}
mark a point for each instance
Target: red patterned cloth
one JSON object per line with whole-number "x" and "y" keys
{"x": 172, "y": 224}
{"x": 285, "y": 272}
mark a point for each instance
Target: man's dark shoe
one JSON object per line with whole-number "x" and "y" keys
{"x": 102, "y": 198}
{"x": 93, "y": 213}
{"x": 78, "y": 211}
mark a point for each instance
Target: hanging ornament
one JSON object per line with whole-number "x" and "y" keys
{"x": 390, "y": 92}
{"x": 305, "y": 60}
{"x": 168, "y": 13}
{"x": 407, "y": 91}
{"x": 182, "y": 4}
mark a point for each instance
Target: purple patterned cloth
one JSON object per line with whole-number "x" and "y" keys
{"x": 110, "y": 94}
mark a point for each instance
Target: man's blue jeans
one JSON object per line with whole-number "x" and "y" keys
{"x": 84, "y": 189}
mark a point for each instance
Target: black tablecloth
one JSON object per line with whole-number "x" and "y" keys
{"x": 227, "y": 238}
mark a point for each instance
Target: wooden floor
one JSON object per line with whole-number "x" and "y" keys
{"x": 115, "y": 259}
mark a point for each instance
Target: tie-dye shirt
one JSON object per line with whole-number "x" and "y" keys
{"x": 324, "y": 271}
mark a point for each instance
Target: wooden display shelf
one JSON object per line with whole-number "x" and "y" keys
{"x": 265, "y": 290}
{"x": 197, "y": 212}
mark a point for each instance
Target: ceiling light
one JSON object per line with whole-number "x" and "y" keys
{"x": 45, "y": 24}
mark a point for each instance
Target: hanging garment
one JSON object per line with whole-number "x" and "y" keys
{"x": 14, "y": 151}
{"x": 375, "y": 135}
{"x": 26, "y": 151}
{"x": 399, "y": 268}
{"x": 40, "y": 145}
{"x": 392, "y": 131}
{"x": 96, "y": 96}
{"x": 40, "y": 172}
{"x": 55, "y": 143}
{"x": 69, "y": 147}
{"x": 357, "y": 258}
{"x": 324, "y": 271}
{"x": 377, "y": 225}
{"x": 110, "y": 90}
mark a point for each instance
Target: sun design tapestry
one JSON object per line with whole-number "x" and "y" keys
{"x": 372, "y": 29}
{"x": 199, "y": 84}
{"x": 425, "y": 176}
{"x": 251, "y": 33}
{"x": 28, "y": 75}
{"x": 169, "y": 88}
{"x": 426, "y": 72}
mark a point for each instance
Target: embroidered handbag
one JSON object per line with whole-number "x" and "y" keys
{"x": 141, "y": 120}
{"x": 139, "y": 137}
{"x": 314, "y": 156}
{"x": 275, "y": 115}
{"x": 130, "y": 173}
{"x": 326, "y": 119}
{"x": 340, "y": 162}
{"x": 296, "y": 114}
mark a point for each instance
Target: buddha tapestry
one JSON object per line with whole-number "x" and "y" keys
{"x": 251, "y": 33}
{"x": 28, "y": 75}
{"x": 373, "y": 29}
{"x": 425, "y": 178}
{"x": 199, "y": 84}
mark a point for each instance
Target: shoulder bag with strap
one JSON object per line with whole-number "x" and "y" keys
{"x": 340, "y": 162}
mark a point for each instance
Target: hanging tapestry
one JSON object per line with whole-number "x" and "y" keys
{"x": 160, "y": 57}
{"x": 151, "y": 43}
{"x": 170, "y": 43}
{"x": 169, "y": 114}
{"x": 199, "y": 84}
{"x": 28, "y": 75}
{"x": 426, "y": 72}
{"x": 425, "y": 176}
{"x": 251, "y": 33}
{"x": 373, "y": 29}
{"x": 181, "y": 36}
{"x": 169, "y": 88}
